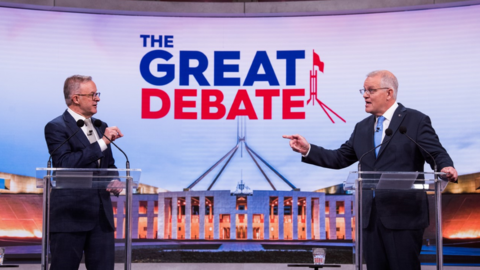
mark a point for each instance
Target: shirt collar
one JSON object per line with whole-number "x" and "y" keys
{"x": 75, "y": 115}
{"x": 389, "y": 113}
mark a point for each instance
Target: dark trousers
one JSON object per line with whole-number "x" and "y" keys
{"x": 67, "y": 248}
{"x": 387, "y": 249}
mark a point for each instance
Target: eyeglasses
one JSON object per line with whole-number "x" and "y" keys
{"x": 370, "y": 91}
{"x": 92, "y": 95}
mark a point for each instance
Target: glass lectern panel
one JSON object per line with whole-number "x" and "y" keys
{"x": 70, "y": 178}
{"x": 369, "y": 183}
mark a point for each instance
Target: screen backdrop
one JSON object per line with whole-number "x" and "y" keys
{"x": 203, "y": 73}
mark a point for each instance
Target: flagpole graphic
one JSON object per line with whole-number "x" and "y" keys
{"x": 313, "y": 87}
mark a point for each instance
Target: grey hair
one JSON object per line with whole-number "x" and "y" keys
{"x": 71, "y": 86}
{"x": 387, "y": 80}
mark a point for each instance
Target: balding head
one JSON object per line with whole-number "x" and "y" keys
{"x": 387, "y": 79}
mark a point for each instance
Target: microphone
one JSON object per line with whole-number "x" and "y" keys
{"x": 388, "y": 132}
{"x": 98, "y": 123}
{"x": 80, "y": 124}
{"x": 403, "y": 130}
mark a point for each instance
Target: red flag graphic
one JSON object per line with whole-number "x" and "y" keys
{"x": 317, "y": 62}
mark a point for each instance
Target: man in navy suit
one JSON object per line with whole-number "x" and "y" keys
{"x": 394, "y": 222}
{"x": 81, "y": 220}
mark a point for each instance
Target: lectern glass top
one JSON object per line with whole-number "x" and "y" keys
{"x": 61, "y": 178}
{"x": 424, "y": 181}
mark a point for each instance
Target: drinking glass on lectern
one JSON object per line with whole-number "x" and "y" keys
{"x": 2, "y": 254}
{"x": 319, "y": 255}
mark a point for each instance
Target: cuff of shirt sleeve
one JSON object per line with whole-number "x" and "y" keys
{"x": 308, "y": 152}
{"x": 102, "y": 144}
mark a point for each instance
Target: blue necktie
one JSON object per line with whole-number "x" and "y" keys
{"x": 379, "y": 134}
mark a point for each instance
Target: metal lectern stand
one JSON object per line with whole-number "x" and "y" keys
{"x": 66, "y": 178}
{"x": 396, "y": 181}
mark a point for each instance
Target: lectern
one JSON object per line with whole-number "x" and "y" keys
{"x": 66, "y": 178}
{"x": 359, "y": 181}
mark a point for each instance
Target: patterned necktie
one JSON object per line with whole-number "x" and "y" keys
{"x": 379, "y": 134}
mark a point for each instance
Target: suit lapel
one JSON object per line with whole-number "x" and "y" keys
{"x": 370, "y": 133}
{"x": 100, "y": 131}
{"x": 397, "y": 119}
{"x": 72, "y": 127}
{"x": 367, "y": 142}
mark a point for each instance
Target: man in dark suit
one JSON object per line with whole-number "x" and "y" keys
{"x": 394, "y": 222}
{"x": 81, "y": 220}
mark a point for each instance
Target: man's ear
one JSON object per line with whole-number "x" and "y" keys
{"x": 75, "y": 99}
{"x": 389, "y": 93}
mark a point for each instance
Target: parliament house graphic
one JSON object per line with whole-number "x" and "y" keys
{"x": 244, "y": 214}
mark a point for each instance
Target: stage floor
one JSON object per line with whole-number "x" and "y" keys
{"x": 225, "y": 266}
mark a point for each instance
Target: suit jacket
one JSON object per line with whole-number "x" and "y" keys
{"x": 396, "y": 210}
{"x": 76, "y": 210}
